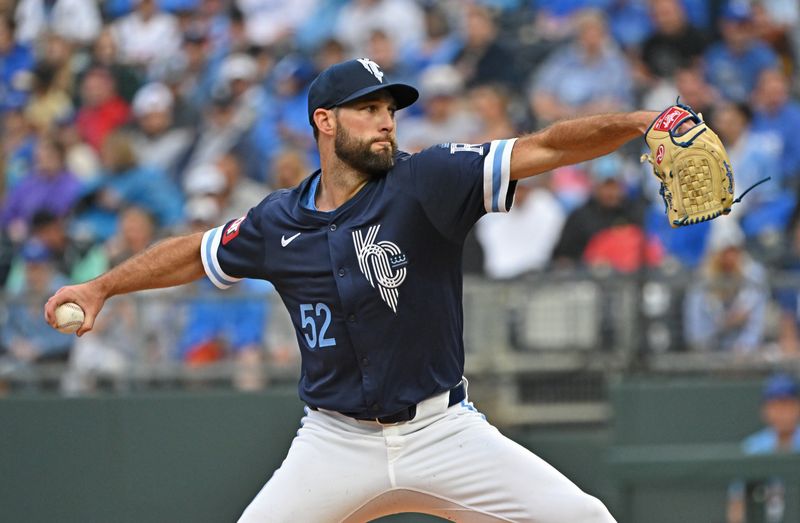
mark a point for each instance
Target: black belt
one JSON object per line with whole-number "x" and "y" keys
{"x": 457, "y": 395}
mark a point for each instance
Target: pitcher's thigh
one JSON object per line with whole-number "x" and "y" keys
{"x": 323, "y": 478}
{"x": 479, "y": 468}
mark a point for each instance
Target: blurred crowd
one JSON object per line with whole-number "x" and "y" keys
{"x": 124, "y": 121}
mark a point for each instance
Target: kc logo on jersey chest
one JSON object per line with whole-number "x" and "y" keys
{"x": 383, "y": 263}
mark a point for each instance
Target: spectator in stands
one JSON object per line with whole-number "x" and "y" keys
{"x": 64, "y": 57}
{"x": 440, "y": 44}
{"x": 219, "y": 132}
{"x": 674, "y": 44}
{"x": 239, "y": 193}
{"x": 16, "y": 149}
{"x": 234, "y": 38}
{"x": 238, "y": 101}
{"x": 358, "y": 18}
{"x": 764, "y": 213}
{"x": 734, "y": 64}
{"x": 329, "y": 52}
{"x": 232, "y": 328}
{"x": 774, "y": 22}
{"x": 80, "y": 158}
{"x": 156, "y": 141}
{"x": 483, "y": 58}
{"x": 776, "y": 113}
{"x": 284, "y": 120}
{"x": 224, "y": 183}
{"x": 629, "y": 22}
{"x": 239, "y": 76}
{"x": 288, "y": 169}
{"x": 683, "y": 247}
{"x": 535, "y": 209}
{"x": 315, "y": 31}
{"x": 490, "y": 103}
{"x": 606, "y": 230}
{"x": 725, "y": 306}
{"x": 27, "y": 339}
{"x": 76, "y": 20}
{"x": 125, "y": 182}
{"x": 105, "y": 54}
{"x": 16, "y": 61}
{"x": 567, "y": 83}
{"x": 382, "y": 49}
{"x": 146, "y": 34}
{"x": 691, "y": 86}
{"x": 788, "y": 296}
{"x": 68, "y": 257}
{"x": 196, "y": 70}
{"x": 111, "y": 351}
{"x": 48, "y": 103}
{"x": 137, "y": 231}
{"x": 695, "y": 91}
{"x": 780, "y": 411}
{"x": 102, "y": 110}
{"x": 273, "y": 23}
{"x": 48, "y": 187}
{"x": 443, "y": 117}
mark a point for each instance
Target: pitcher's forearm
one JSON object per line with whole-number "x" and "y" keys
{"x": 574, "y": 141}
{"x": 170, "y": 262}
{"x": 601, "y": 133}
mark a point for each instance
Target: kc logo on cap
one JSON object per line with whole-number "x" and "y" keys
{"x": 347, "y": 81}
{"x": 372, "y": 67}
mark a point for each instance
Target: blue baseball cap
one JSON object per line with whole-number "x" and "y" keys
{"x": 347, "y": 81}
{"x": 780, "y": 386}
{"x": 737, "y": 11}
{"x": 35, "y": 251}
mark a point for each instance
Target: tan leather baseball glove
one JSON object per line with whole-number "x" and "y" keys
{"x": 692, "y": 165}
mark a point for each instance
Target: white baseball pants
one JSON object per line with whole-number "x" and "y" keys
{"x": 449, "y": 462}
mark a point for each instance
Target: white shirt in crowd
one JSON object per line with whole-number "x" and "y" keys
{"x": 358, "y": 19}
{"x": 267, "y": 21}
{"x": 522, "y": 239}
{"x": 76, "y": 20}
{"x": 143, "y": 41}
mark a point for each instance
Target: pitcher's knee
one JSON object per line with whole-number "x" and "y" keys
{"x": 578, "y": 507}
{"x": 592, "y": 510}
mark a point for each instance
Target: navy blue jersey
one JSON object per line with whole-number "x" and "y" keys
{"x": 374, "y": 287}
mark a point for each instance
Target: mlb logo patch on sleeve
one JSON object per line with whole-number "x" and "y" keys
{"x": 232, "y": 231}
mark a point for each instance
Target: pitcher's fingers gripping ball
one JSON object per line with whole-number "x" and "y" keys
{"x": 69, "y": 317}
{"x": 693, "y": 167}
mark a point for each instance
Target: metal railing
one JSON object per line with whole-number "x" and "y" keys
{"x": 540, "y": 349}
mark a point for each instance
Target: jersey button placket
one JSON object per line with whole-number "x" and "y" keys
{"x": 341, "y": 272}
{"x": 332, "y": 227}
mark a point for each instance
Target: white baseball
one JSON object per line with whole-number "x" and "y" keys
{"x": 69, "y": 317}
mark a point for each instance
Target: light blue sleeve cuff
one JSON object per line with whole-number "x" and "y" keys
{"x": 497, "y": 175}
{"x": 208, "y": 253}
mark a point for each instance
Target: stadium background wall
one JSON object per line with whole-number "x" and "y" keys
{"x": 201, "y": 456}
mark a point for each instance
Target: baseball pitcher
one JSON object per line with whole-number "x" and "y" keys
{"x": 366, "y": 255}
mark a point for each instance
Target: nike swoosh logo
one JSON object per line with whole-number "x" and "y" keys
{"x": 286, "y": 241}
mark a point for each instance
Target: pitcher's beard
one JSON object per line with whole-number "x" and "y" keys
{"x": 359, "y": 155}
